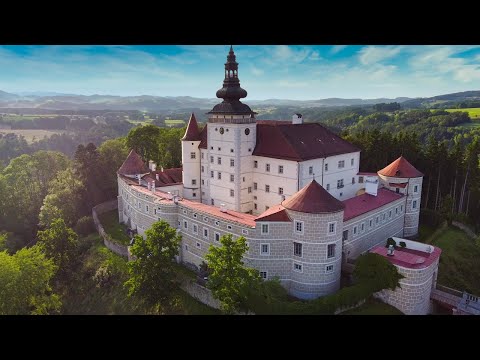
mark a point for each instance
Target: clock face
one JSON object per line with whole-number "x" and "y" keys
{"x": 247, "y": 131}
{"x": 222, "y": 130}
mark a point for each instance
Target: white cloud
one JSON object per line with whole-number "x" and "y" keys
{"x": 337, "y": 48}
{"x": 256, "y": 71}
{"x": 374, "y": 54}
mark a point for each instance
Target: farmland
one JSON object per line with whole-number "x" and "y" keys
{"x": 32, "y": 135}
{"x": 474, "y": 113}
{"x": 171, "y": 123}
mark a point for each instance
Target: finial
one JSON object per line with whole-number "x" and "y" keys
{"x": 231, "y": 48}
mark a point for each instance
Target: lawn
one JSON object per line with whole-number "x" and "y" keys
{"x": 473, "y": 112}
{"x": 32, "y": 135}
{"x": 459, "y": 261}
{"x": 174, "y": 122}
{"x": 374, "y": 307}
{"x": 424, "y": 232}
{"x": 111, "y": 225}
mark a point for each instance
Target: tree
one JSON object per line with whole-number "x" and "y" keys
{"x": 88, "y": 167}
{"x": 446, "y": 209}
{"x": 230, "y": 280}
{"x": 25, "y": 283}
{"x": 112, "y": 155}
{"x": 152, "y": 274}
{"x": 377, "y": 272}
{"x": 60, "y": 243}
{"x": 144, "y": 140}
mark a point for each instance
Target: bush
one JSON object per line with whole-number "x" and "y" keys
{"x": 85, "y": 226}
{"x": 402, "y": 244}
{"x": 390, "y": 241}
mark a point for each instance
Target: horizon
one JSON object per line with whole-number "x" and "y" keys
{"x": 274, "y": 72}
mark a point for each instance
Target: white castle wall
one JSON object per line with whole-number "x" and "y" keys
{"x": 191, "y": 170}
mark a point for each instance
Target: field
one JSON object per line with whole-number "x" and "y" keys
{"x": 32, "y": 134}
{"x": 473, "y": 112}
{"x": 16, "y": 117}
{"x": 459, "y": 265}
{"x": 174, "y": 122}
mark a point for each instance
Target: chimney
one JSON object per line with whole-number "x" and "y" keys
{"x": 161, "y": 168}
{"x": 148, "y": 185}
{"x": 152, "y": 166}
{"x": 223, "y": 208}
{"x": 297, "y": 119}
{"x": 139, "y": 179}
{"x": 153, "y": 187}
{"x": 157, "y": 177}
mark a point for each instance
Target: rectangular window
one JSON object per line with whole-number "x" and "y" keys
{"x": 146, "y": 208}
{"x": 351, "y": 162}
{"x": 245, "y": 232}
{"x": 376, "y": 220}
{"x": 205, "y": 233}
{"x": 341, "y": 164}
{"x": 255, "y": 164}
{"x": 280, "y": 190}
{"x": 340, "y": 184}
{"x": 212, "y": 201}
{"x": 254, "y": 186}
{"x": 310, "y": 170}
{"x": 232, "y": 178}
{"x": 362, "y": 227}
{"x": 203, "y": 168}
{"x": 263, "y": 275}
{"x": 249, "y": 189}
{"x": 353, "y": 180}
{"x": 219, "y": 161}
{"x": 345, "y": 235}
{"x": 267, "y": 188}
{"x": 355, "y": 230}
{"x": 194, "y": 181}
{"x": 370, "y": 223}
{"x": 203, "y": 155}
{"x": 360, "y": 179}
{"x": 219, "y": 175}
{"x": 192, "y": 155}
{"x": 232, "y": 162}
{"x": 396, "y": 210}
{"x": 265, "y": 249}
{"x": 299, "y": 226}
{"x": 328, "y": 187}
{"x": 211, "y": 174}
{"x": 203, "y": 183}
{"x": 195, "y": 228}
{"x": 297, "y": 267}
{"x": 383, "y": 217}
{"x": 280, "y": 169}
{"x": 232, "y": 193}
{"x": 390, "y": 214}
{"x": 329, "y": 269}
{"x": 217, "y": 237}
{"x": 326, "y": 167}
{"x": 231, "y": 150}
{"x": 415, "y": 188}
{"x": 264, "y": 228}
{"x": 331, "y": 228}
{"x": 401, "y": 208}
{"x": 267, "y": 167}
{"x": 211, "y": 159}
{"x": 219, "y": 149}
{"x": 297, "y": 249}
{"x": 185, "y": 224}
{"x": 414, "y": 204}
{"x": 330, "y": 251}
{"x": 199, "y": 245}
{"x": 255, "y": 206}
{"x": 397, "y": 190}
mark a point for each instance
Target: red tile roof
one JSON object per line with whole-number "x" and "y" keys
{"x": 133, "y": 165}
{"x": 400, "y": 168}
{"x": 203, "y": 138}
{"x": 364, "y": 203}
{"x": 314, "y": 199}
{"x": 166, "y": 177}
{"x": 367, "y": 173}
{"x": 275, "y": 213}
{"x": 409, "y": 258}
{"x": 298, "y": 142}
{"x": 192, "y": 133}
{"x": 233, "y": 216}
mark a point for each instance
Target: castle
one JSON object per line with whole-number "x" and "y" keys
{"x": 292, "y": 189}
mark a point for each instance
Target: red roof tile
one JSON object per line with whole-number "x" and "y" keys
{"x": 233, "y": 216}
{"x": 275, "y": 213}
{"x": 395, "y": 185}
{"x": 400, "y": 168}
{"x": 314, "y": 199}
{"x": 192, "y": 133}
{"x": 364, "y": 203}
{"x": 203, "y": 138}
{"x": 166, "y": 177}
{"x": 298, "y": 142}
{"x": 133, "y": 165}
{"x": 409, "y": 258}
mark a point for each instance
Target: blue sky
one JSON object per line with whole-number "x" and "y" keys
{"x": 266, "y": 72}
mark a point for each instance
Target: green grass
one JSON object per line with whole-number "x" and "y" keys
{"x": 111, "y": 225}
{"x": 474, "y": 113}
{"x": 374, "y": 307}
{"x": 459, "y": 261}
{"x": 174, "y": 122}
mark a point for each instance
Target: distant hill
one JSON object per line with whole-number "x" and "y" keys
{"x": 53, "y": 101}
{"x": 441, "y": 100}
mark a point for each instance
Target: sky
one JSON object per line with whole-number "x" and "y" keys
{"x": 267, "y": 72}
